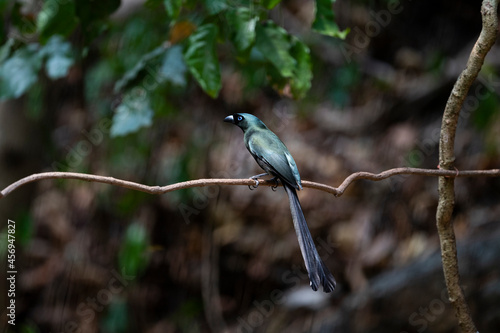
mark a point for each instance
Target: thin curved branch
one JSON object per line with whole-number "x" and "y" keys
{"x": 446, "y": 189}
{"x": 337, "y": 191}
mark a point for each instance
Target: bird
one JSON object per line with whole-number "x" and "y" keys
{"x": 273, "y": 157}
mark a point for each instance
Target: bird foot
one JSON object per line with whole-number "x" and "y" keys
{"x": 274, "y": 187}
{"x": 255, "y": 178}
{"x": 253, "y": 187}
{"x": 257, "y": 182}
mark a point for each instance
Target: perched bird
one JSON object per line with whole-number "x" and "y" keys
{"x": 273, "y": 156}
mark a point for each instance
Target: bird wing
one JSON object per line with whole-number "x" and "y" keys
{"x": 273, "y": 156}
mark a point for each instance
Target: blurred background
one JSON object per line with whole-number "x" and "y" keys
{"x": 138, "y": 90}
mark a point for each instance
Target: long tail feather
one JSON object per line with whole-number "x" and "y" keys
{"x": 318, "y": 272}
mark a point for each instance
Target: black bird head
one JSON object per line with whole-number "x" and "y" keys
{"x": 244, "y": 121}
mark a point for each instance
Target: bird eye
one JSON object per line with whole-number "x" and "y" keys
{"x": 240, "y": 118}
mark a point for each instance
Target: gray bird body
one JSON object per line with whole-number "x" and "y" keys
{"x": 272, "y": 155}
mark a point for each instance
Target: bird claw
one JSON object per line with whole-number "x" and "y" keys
{"x": 253, "y": 187}
{"x": 275, "y": 186}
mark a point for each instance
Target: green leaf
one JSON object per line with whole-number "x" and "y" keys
{"x": 132, "y": 114}
{"x": 215, "y": 6}
{"x": 5, "y": 49}
{"x": 173, "y": 68}
{"x": 19, "y": 72}
{"x": 56, "y": 18}
{"x": 242, "y": 22}
{"x": 133, "y": 74}
{"x": 133, "y": 256}
{"x": 173, "y": 8}
{"x": 274, "y": 43}
{"x": 324, "y": 23}
{"x": 302, "y": 75}
{"x": 270, "y": 4}
{"x": 201, "y": 59}
{"x": 59, "y": 57}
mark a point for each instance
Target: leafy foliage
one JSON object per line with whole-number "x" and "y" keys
{"x": 301, "y": 82}
{"x": 56, "y": 18}
{"x": 173, "y": 8}
{"x": 274, "y": 43}
{"x": 243, "y": 23}
{"x": 215, "y": 6}
{"x": 133, "y": 113}
{"x": 201, "y": 59}
{"x": 5, "y": 50}
{"x": 20, "y": 70}
{"x": 184, "y": 37}
{"x": 132, "y": 74}
{"x": 173, "y": 67}
{"x": 324, "y": 22}
{"x": 59, "y": 57}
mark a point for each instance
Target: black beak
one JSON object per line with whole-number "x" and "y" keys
{"x": 229, "y": 119}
